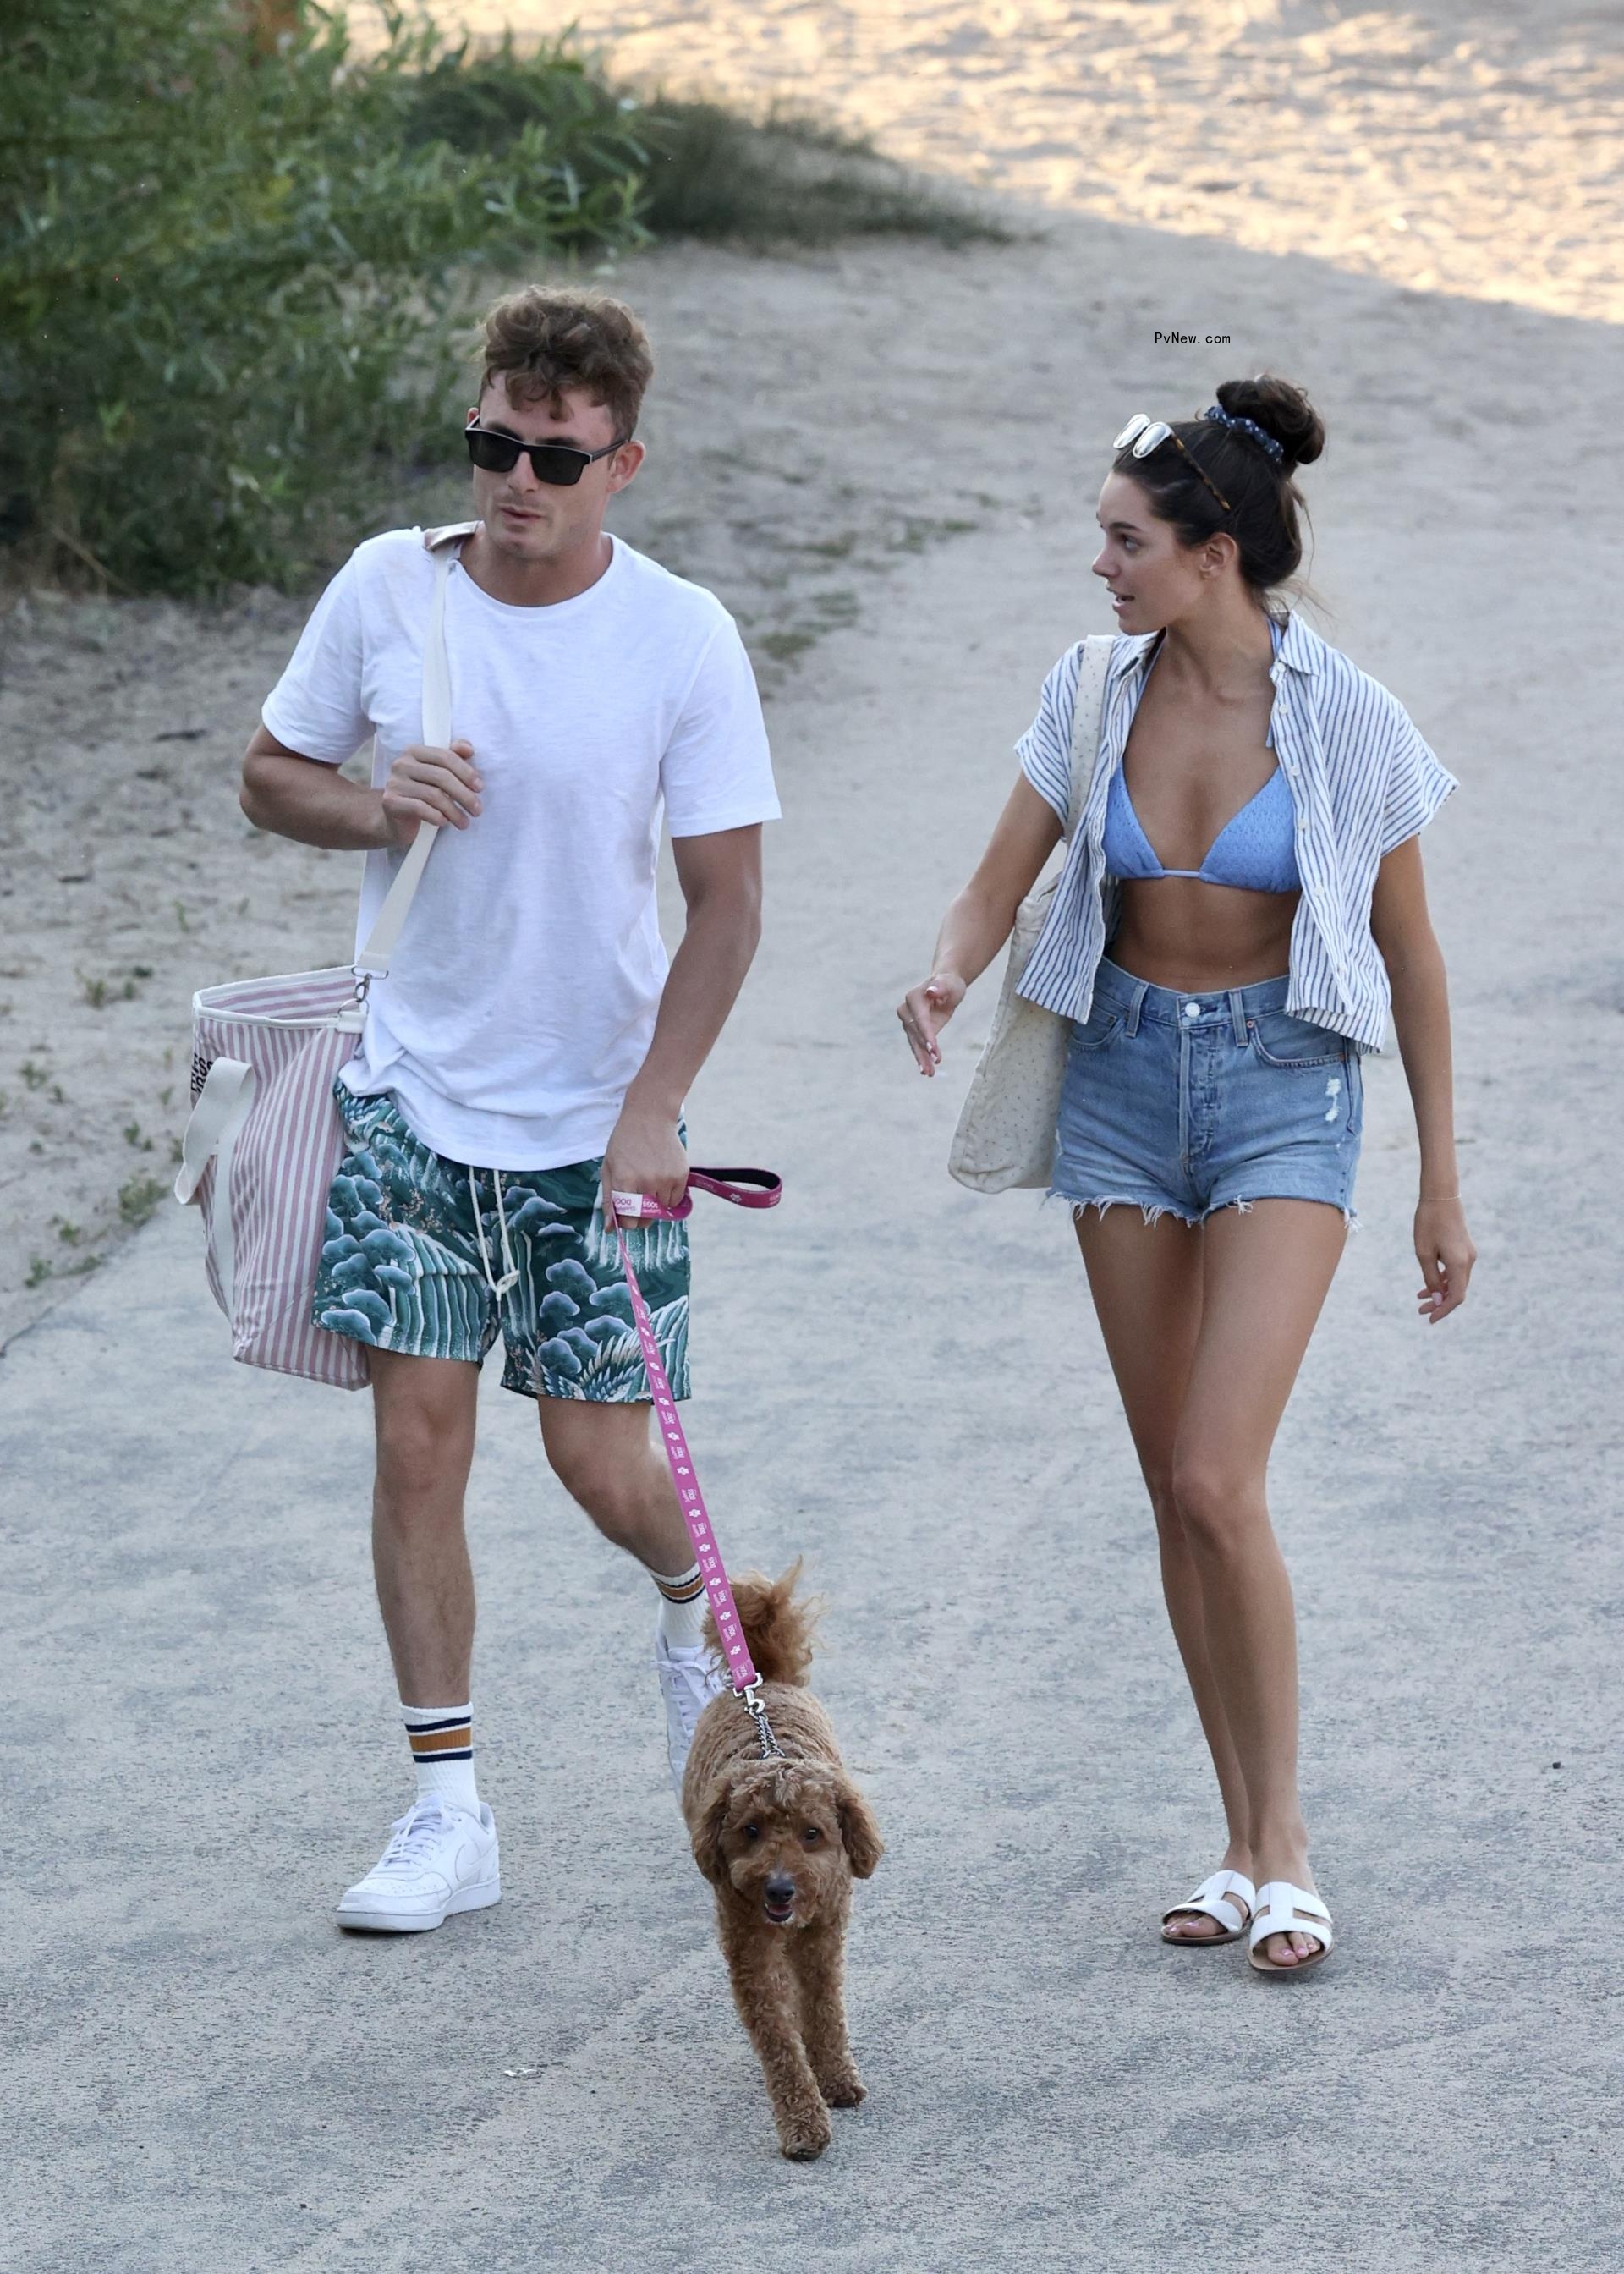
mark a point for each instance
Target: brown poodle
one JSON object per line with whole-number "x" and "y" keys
{"x": 781, "y": 1842}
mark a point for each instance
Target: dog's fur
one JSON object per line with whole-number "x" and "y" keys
{"x": 781, "y": 1842}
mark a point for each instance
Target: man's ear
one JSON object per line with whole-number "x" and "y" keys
{"x": 707, "y": 1835}
{"x": 624, "y": 465}
{"x": 858, "y": 1831}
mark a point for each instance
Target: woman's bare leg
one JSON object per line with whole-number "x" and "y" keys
{"x": 1265, "y": 1277}
{"x": 1146, "y": 1281}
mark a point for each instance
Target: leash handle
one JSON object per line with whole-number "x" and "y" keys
{"x": 751, "y": 1188}
{"x": 763, "y": 1190}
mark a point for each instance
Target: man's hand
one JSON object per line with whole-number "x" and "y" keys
{"x": 645, "y": 1154}
{"x": 430, "y": 785}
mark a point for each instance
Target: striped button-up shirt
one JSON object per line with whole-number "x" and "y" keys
{"x": 1362, "y": 780}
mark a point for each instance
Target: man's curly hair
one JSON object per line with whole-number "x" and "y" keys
{"x": 544, "y": 339}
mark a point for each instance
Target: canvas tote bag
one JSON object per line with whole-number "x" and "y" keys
{"x": 1005, "y": 1136}
{"x": 263, "y": 1144}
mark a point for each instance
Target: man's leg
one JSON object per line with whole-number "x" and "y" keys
{"x": 443, "y": 1857}
{"x": 606, "y": 1457}
{"x": 424, "y": 1410}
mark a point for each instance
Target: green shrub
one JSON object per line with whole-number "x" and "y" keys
{"x": 228, "y": 277}
{"x": 709, "y": 172}
{"x": 233, "y": 254}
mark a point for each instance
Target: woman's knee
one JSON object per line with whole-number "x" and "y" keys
{"x": 1218, "y": 1506}
{"x": 1165, "y": 1508}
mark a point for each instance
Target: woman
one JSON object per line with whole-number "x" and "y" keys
{"x": 1240, "y": 904}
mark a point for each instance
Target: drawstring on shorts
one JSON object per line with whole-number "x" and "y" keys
{"x": 510, "y": 1269}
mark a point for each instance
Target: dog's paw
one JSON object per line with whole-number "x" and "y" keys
{"x": 843, "y": 2089}
{"x": 804, "y": 2138}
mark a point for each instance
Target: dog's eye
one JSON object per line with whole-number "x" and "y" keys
{"x": 812, "y": 1836}
{"x": 752, "y": 1832}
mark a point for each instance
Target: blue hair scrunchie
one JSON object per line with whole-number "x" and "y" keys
{"x": 1246, "y": 426}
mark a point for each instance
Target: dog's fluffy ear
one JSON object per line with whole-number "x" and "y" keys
{"x": 858, "y": 1831}
{"x": 707, "y": 1835}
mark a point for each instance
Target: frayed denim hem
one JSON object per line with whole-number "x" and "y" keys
{"x": 1153, "y": 1211}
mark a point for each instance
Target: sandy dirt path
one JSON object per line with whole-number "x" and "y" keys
{"x": 797, "y": 479}
{"x": 1449, "y": 147}
{"x": 905, "y": 1381}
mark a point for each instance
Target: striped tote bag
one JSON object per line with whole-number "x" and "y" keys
{"x": 263, "y": 1144}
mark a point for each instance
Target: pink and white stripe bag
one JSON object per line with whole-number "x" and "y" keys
{"x": 264, "y": 1141}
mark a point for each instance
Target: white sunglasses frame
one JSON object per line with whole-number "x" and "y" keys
{"x": 1145, "y": 434}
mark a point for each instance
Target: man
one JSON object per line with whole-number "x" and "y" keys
{"x": 529, "y": 1051}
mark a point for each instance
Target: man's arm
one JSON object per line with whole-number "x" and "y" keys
{"x": 721, "y": 880}
{"x": 304, "y": 799}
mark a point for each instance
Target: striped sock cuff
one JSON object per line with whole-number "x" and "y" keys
{"x": 439, "y": 1733}
{"x": 681, "y": 1586}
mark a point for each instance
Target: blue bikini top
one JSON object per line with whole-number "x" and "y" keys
{"x": 1255, "y": 850}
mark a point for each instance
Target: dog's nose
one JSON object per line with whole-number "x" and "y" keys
{"x": 779, "y": 1888}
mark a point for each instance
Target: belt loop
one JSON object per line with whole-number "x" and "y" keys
{"x": 1142, "y": 988}
{"x": 1238, "y": 1018}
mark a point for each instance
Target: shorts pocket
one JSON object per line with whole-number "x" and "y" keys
{"x": 1293, "y": 1044}
{"x": 1101, "y": 1026}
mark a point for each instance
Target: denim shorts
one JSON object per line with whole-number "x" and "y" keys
{"x": 1179, "y": 1104}
{"x": 417, "y": 1245}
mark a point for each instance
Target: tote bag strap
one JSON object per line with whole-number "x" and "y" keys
{"x": 373, "y": 960}
{"x": 1085, "y": 714}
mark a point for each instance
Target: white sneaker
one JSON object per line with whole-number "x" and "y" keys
{"x": 688, "y": 1680}
{"x": 440, "y": 1859}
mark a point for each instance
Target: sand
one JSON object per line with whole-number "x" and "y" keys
{"x": 904, "y": 1381}
{"x": 819, "y": 422}
{"x": 1448, "y": 147}
{"x": 885, "y": 459}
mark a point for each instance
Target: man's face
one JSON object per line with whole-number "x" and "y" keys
{"x": 535, "y": 520}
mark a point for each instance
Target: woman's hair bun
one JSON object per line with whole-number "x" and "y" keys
{"x": 1280, "y": 410}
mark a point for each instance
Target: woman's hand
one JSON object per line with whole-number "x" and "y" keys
{"x": 924, "y": 1011}
{"x": 1445, "y": 1252}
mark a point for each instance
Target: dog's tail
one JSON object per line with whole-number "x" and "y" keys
{"x": 778, "y": 1628}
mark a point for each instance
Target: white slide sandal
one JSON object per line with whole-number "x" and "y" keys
{"x": 1285, "y": 1909}
{"x": 1219, "y": 1898}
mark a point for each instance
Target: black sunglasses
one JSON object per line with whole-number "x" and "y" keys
{"x": 558, "y": 463}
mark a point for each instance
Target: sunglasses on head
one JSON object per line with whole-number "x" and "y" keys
{"x": 1147, "y": 434}
{"x": 560, "y": 463}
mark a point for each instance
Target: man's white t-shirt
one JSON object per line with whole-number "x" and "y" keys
{"x": 522, "y": 998}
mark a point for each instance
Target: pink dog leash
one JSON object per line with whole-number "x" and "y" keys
{"x": 752, "y": 1188}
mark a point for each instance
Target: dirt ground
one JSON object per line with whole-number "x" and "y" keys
{"x": 1447, "y": 146}
{"x": 819, "y": 421}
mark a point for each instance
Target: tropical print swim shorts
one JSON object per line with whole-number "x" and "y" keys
{"x": 414, "y": 1250}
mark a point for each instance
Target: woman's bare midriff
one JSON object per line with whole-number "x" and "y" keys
{"x": 1196, "y": 938}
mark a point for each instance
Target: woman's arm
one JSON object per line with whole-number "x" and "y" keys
{"x": 981, "y": 919}
{"x": 1404, "y": 933}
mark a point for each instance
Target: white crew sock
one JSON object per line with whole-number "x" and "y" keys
{"x": 441, "y": 1738}
{"x": 682, "y": 1608}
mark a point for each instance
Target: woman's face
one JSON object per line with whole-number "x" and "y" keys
{"x": 1152, "y": 579}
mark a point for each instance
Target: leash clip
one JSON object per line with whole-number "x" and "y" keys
{"x": 755, "y": 1707}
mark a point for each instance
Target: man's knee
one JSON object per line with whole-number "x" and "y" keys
{"x": 601, "y": 1456}
{"x": 426, "y": 1434}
